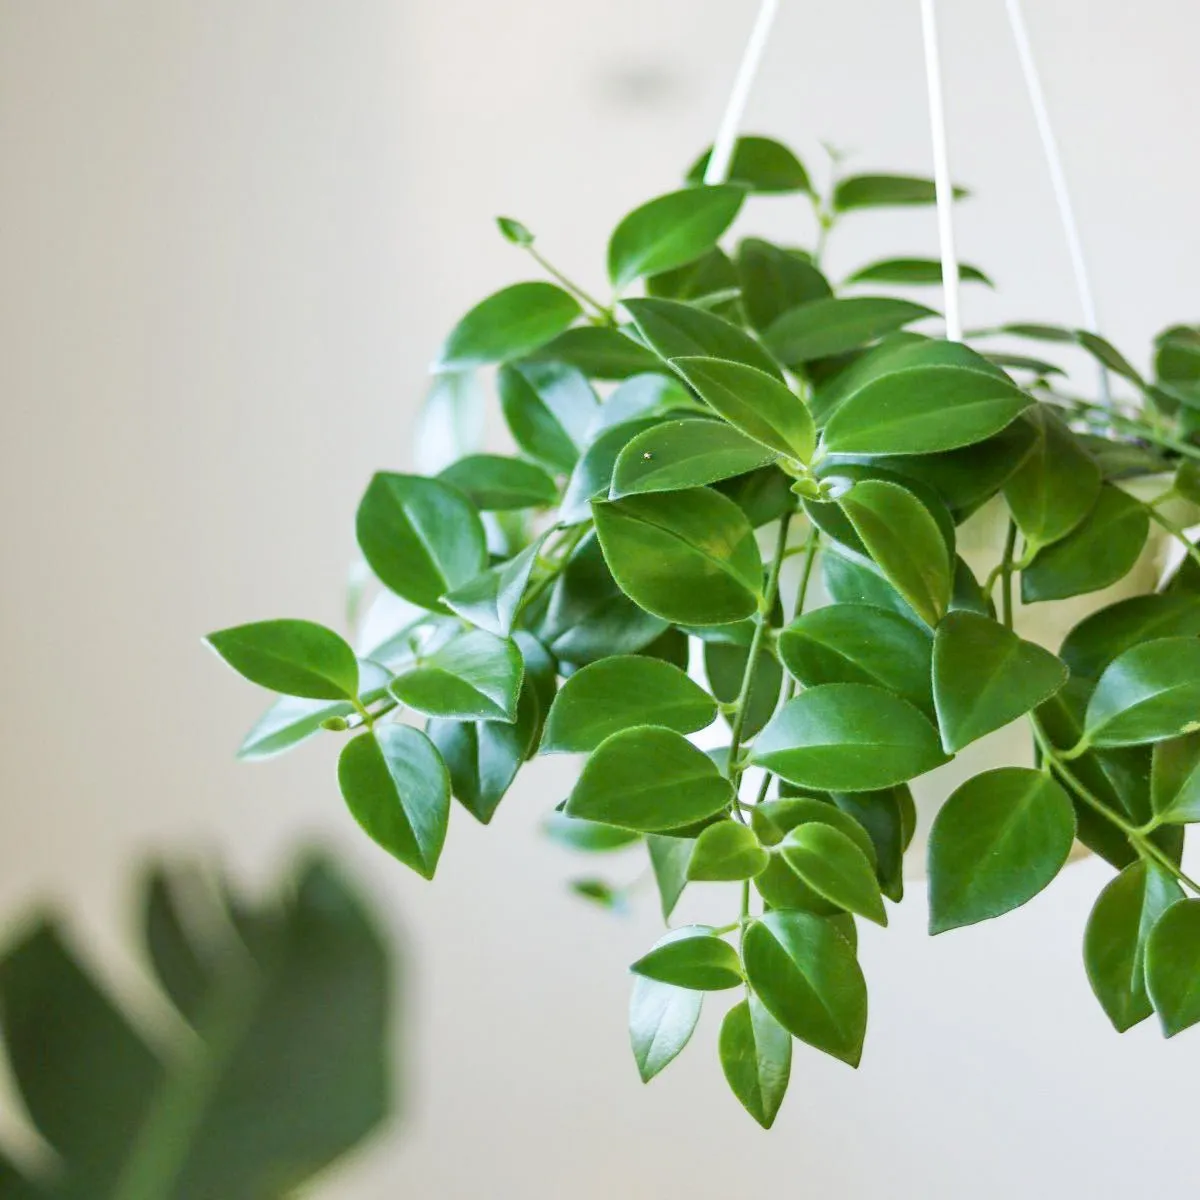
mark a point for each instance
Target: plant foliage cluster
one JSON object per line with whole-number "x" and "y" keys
{"x": 689, "y": 458}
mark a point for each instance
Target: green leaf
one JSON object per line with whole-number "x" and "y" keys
{"x": 513, "y": 231}
{"x": 548, "y": 409}
{"x": 497, "y": 484}
{"x": 1107, "y": 634}
{"x": 775, "y": 279}
{"x": 588, "y": 837}
{"x": 906, "y": 543}
{"x": 592, "y": 476}
{"x": 600, "y": 893}
{"x": 476, "y": 675}
{"x": 1114, "y": 947}
{"x": 834, "y": 867}
{"x": 618, "y": 693}
{"x": 1187, "y": 480}
{"x": 881, "y": 191}
{"x": 922, "y": 410}
{"x": 599, "y": 352}
{"x": 848, "y": 737}
{"x": 1056, "y": 486}
{"x": 669, "y": 858}
{"x": 857, "y": 643}
{"x": 674, "y": 330}
{"x": 1149, "y": 693}
{"x": 1023, "y": 362}
{"x": 725, "y": 666}
{"x": 727, "y": 850}
{"x": 759, "y": 164}
{"x": 822, "y": 328}
{"x": 421, "y": 537}
{"x": 808, "y": 979}
{"x": 755, "y": 402}
{"x": 688, "y": 557}
{"x": 701, "y": 280}
{"x": 675, "y": 455}
{"x": 756, "y": 1056}
{"x": 1105, "y": 353}
{"x": 889, "y": 818}
{"x": 1175, "y": 780}
{"x": 641, "y": 397}
{"x": 985, "y": 676}
{"x": 671, "y": 230}
{"x": 398, "y": 789}
{"x": 692, "y": 957}
{"x": 297, "y": 658}
{"x": 773, "y": 820}
{"x": 1173, "y": 967}
{"x": 1104, "y": 548}
{"x": 914, "y": 272}
{"x": 662, "y": 1019}
{"x": 997, "y": 842}
{"x": 648, "y": 779}
{"x": 491, "y": 600}
{"x": 508, "y": 324}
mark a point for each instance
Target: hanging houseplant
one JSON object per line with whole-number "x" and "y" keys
{"x": 743, "y": 500}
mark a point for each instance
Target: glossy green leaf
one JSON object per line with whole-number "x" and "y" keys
{"x": 702, "y": 280}
{"x": 588, "y": 837}
{"x": 922, "y": 410}
{"x": 758, "y": 164}
{"x": 670, "y": 231}
{"x": 889, "y": 818}
{"x": 674, "y": 330}
{"x": 548, "y": 409}
{"x": 662, "y": 1019}
{"x": 1149, "y": 693}
{"x": 297, "y": 658}
{"x": 848, "y": 737}
{"x": 643, "y": 397}
{"x": 1114, "y": 947}
{"x": 692, "y": 957}
{"x": 809, "y": 980}
{"x": 494, "y": 483}
{"x": 985, "y": 676}
{"x": 1105, "y": 353}
{"x": 727, "y": 850}
{"x": 834, "y": 866}
{"x": 756, "y": 403}
{"x": 618, "y": 693}
{"x": 857, "y": 643}
{"x": 885, "y": 191}
{"x": 513, "y": 231}
{"x": 775, "y": 279}
{"x": 1104, "y": 548}
{"x": 1107, "y": 634}
{"x": 421, "y": 537}
{"x": 599, "y": 352}
{"x": 688, "y": 557}
{"x": 592, "y": 477}
{"x": 822, "y": 328}
{"x": 756, "y": 1056}
{"x": 398, "y": 789}
{"x": 675, "y": 455}
{"x": 773, "y": 820}
{"x": 491, "y": 600}
{"x": 648, "y": 779}
{"x": 1039, "y": 367}
{"x": 508, "y": 324}
{"x": 476, "y": 675}
{"x": 1173, "y": 966}
{"x": 669, "y": 858}
{"x": 998, "y": 841}
{"x": 913, "y": 272}
{"x": 1175, "y": 780}
{"x": 725, "y": 666}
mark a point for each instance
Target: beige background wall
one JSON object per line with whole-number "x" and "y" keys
{"x": 231, "y": 234}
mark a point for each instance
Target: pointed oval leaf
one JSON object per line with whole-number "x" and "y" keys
{"x": 775, "y": 279}
{"x": 809, "y": 980}
{"x": 494, "y": 483}
{"x": 725, "y": 668}
{"x": 997, "y": 842}
{"x": 588, "y": 837}
{"x": 755, "y": 402}
{"x": 398, "y": 790}
{"x": 1173, "y": 966}
{"x": 922, "y": 410}
{"x": 725, "y": 851}
{"x": 549, "y": 409}
{"x": 599, "y": 352}
{"x": 491, "y": 600}
{"x": 985, "y": 676}
{"x": 848, "y": 737}
{"x": 1114, "y": 947}
{"x": 773, "y": 820}
{"x": 675, "y": 455}
{"x": 1107, "y": 634}
{"x": 886, "y": 191}
{"x": 906, "y": 543}
{"x": 756, "y": 1056}
{"x": 759, "y": 164}
{"x": 618, "y": 693}
{"x": 823, "y": 328}
{"x": 668, "y": 861}
{"x": 833, "y": 866}
{"x": 1175, "y": 780}
{"x": 295, "y": 658}
{"x": 662, "y": 1020}
{"x": 692, "y": 957}
{"x": 648, "y": 779}
{"x": 688, "y": 557}
{"x": 671, "y": 230}
{"x": 421, "y": 537}
{"x": 476, "y": 675}
{"x": 592, "y": 477}
{"x": 914, "y": 272}
{"x": 508, "y": 324}
{"x": 1149, "y": 693}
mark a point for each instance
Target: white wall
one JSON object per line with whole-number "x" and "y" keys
{"x": 231, "y": 234}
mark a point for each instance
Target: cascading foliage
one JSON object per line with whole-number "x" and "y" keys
{"x": 727, "y": 412}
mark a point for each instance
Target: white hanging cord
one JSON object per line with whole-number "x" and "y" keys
{"x": 941, "y": 171}
{"x": 1054, "y": 163}
{"x": 719, "y": 161}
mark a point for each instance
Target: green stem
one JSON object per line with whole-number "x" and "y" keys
{"x": 558, "y": 559}
{"x": 1130, "y": 425}
{"x": 368, "y": 719}
{"x": 1176, "y": 531}
{"x": 602, "y": 311}
{"x": 1006, "y": 575}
